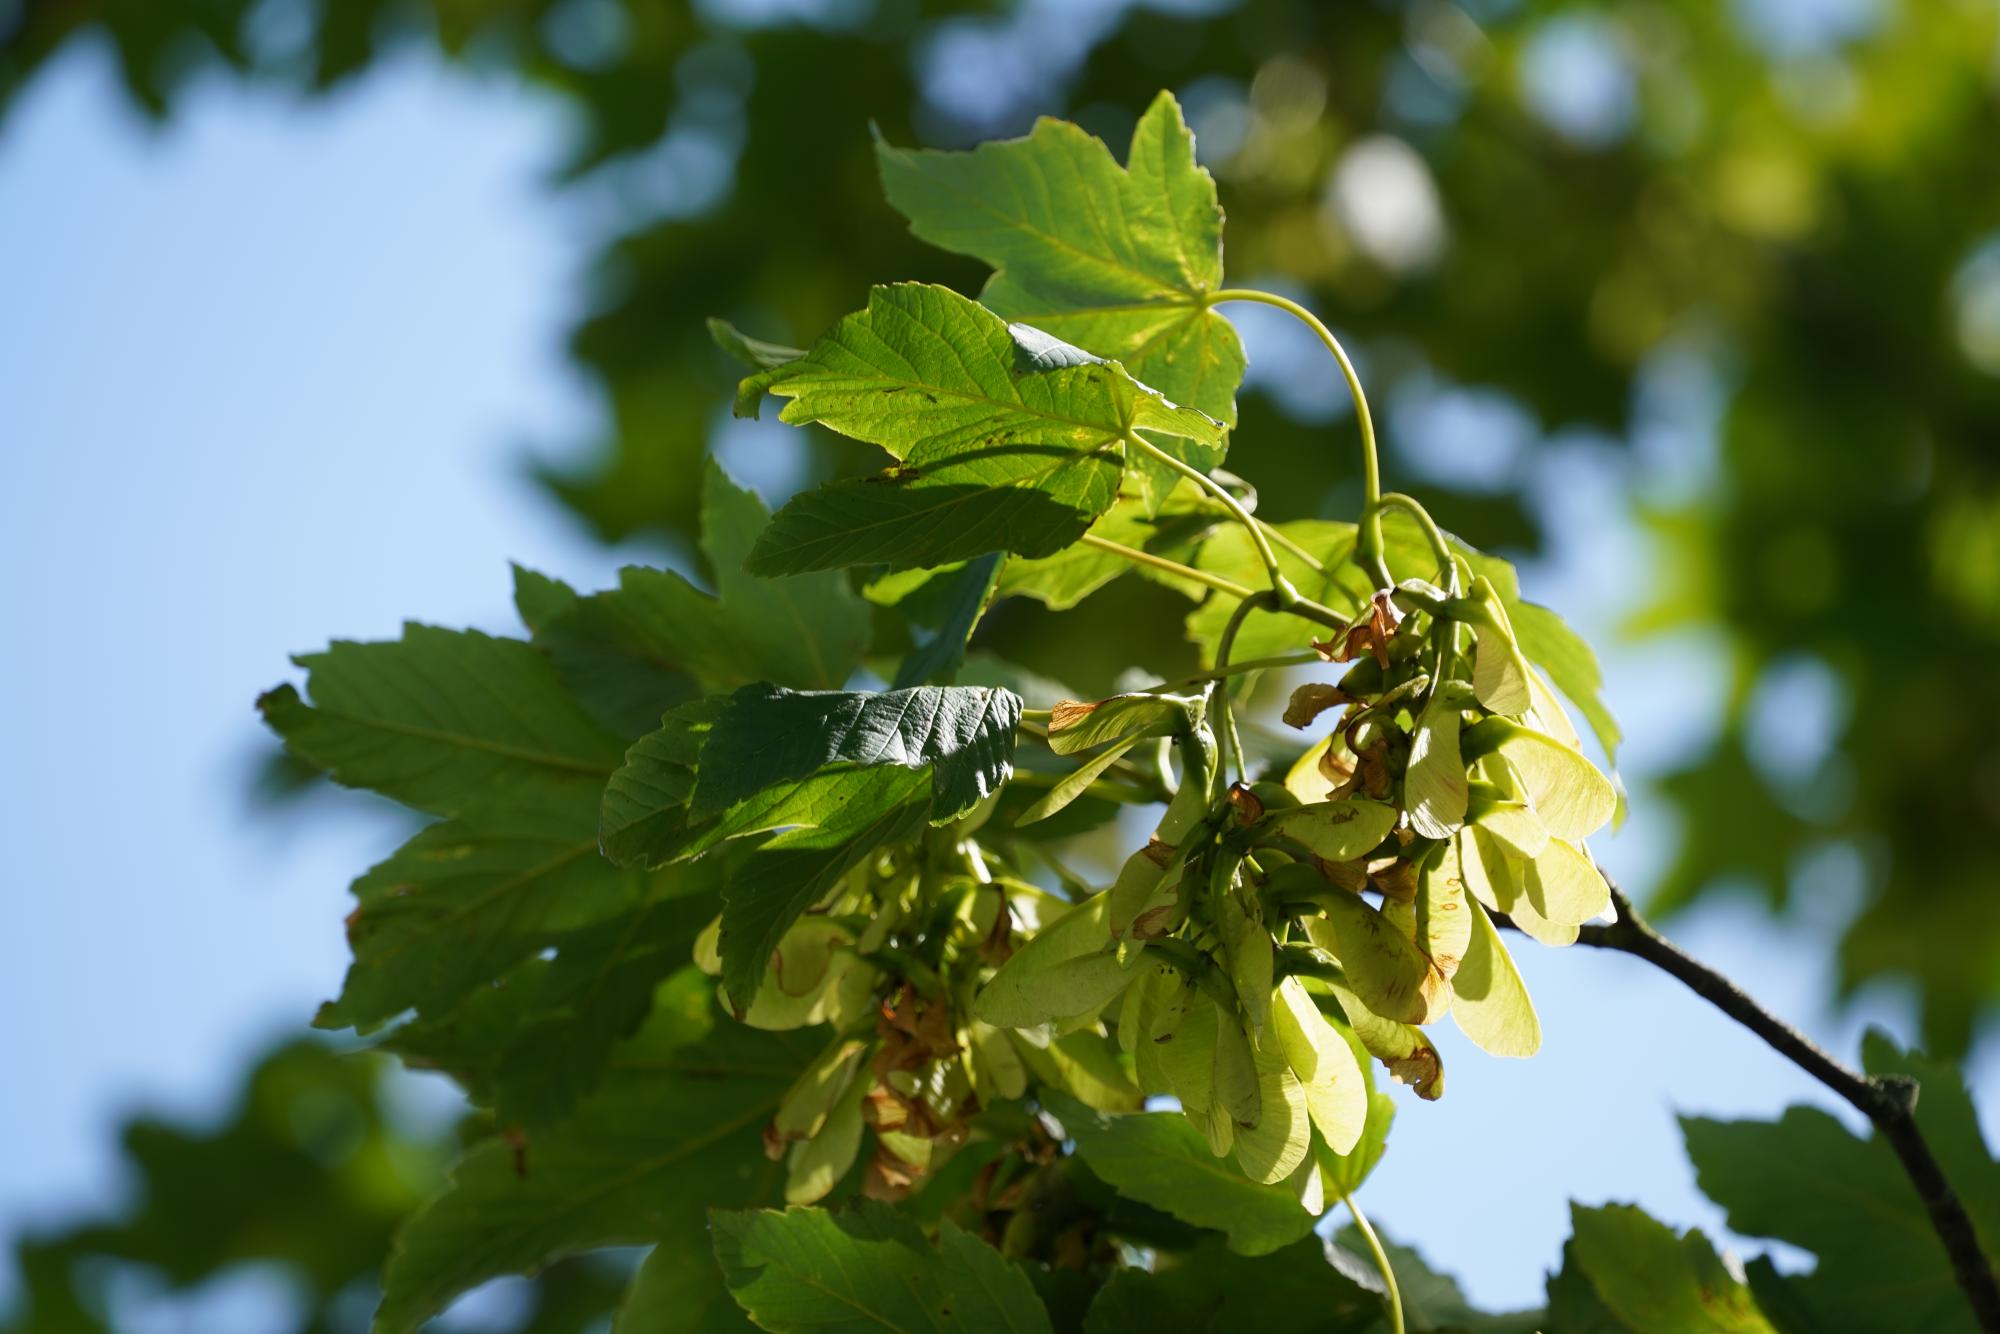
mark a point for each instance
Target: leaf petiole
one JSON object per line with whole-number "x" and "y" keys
{"x": 1368, "y": 542}
{"x": 1440, "y": 547}
{"x": 1388, "y": 1270}
{"x": 1280, "y": 585}
{"x": 1173, "y": 567}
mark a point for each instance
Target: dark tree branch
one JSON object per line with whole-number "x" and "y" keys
{"x": 1888, "y": 1101}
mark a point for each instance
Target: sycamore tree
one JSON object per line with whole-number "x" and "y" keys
{"x": 751, "y": 913}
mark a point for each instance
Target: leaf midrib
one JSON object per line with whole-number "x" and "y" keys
{"x": 1029, "y": 481}
{"x": 464, "y": 741}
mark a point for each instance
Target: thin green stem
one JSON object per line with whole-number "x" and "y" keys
{"x": 1279, "y": 584}
{"x": 1225, "y": 731}
{"x": 1173, "y": 567}
{"x": 1247, "y": 665}
{"x": 1388, "y": 1270}
{"x": 1440, "y": 546}
{"x": 1368, "y": 545}
{"x": 1277, "y": 537}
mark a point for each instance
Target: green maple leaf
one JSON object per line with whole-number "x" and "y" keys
{"x": 869, "y": 1268}
{"x": 676, "y": 1129}
{"x": 1009, "y": 440}
{"x": 629, "y": 652}
{"x": 442, "y": 720}
{"x": 1120, "y": 260}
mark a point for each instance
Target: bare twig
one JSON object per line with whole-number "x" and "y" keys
{"x": 1888, "y": 1101}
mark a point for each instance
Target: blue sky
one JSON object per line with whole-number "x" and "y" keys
{"x": 266, "y": 378}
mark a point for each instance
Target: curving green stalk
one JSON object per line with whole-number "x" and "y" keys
{"x": 1381, "y": 1262}
{"x": 1368, "y": 542}
{"x": 1440, "y": 547}
{"x": 1226, "y": 736}
{"x": 1280, "y": 585}
{"x": 1133, "y": 554}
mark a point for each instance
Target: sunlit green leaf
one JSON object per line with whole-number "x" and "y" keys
{"x": 1650, "y": 1279}
{"x": 1339, "y": 831}
{"x": 1118, "y": 260}
{"x": 1008, "y": 440}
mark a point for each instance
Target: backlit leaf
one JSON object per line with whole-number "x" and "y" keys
{"x": 1339, "y": 831}
{"x": 1385, "y": 969}
{"x": 627, "y": 652}
{"x": 1008, "y": 440}
{"x": 1649, "y": 1278}
{"x": 1434, "y": 788}
{"x": 1118, "y": 260}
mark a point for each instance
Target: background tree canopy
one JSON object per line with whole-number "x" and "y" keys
{"x": 1535, "y": 217}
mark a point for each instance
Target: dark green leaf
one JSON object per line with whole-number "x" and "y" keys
{"x": 766, "y": 735}
{"x": 598, "y": 991}
{"x": 1432, "y": 1301}
{"x": 643, "y": 817}
{"x": 676, "y": 1128}
{"x": 1213, "y": 1290}
{"x": 442, "y": 720}
{"x": 966, "y": 599}
{"x": 467, "y": 899}
{"x": 1159, "y": 1158}
{"x": 869, "y": 1269}
{"x": 1807, "y": 1180}
{"x": 679, "y": 1290}
{"x": 796, "y": 869}
{"x": 629, "y": 651}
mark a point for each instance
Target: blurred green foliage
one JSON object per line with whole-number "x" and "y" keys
{"x": 1537, "y": 200}
{"x": 305, "y": 1180}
